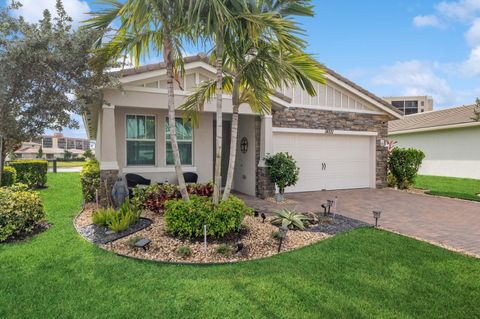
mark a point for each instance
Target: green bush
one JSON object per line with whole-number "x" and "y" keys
{"x": 282, "y": 170}
{"x": 90, "y": 179}
{"x": 21, "y": 210}
{"x": 31, "y": 172}
{"x": 186, "y": 219}
{"x": 117, "y": 221}
{"x": 9, "y": 176}
{"x": 404, "y": 165}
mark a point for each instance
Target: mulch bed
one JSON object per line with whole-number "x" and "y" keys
{"x": 255, "y": 237}
{"x": 40, "y": 228}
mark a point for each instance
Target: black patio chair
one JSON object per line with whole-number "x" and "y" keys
{"x": 133, "y": 180}
{"x": 190, "y": 177}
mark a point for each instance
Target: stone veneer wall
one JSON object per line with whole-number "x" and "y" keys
{"x": 322, "y": 119}
{"x": 264, "y": 187}
{"x": 107, "y": 179}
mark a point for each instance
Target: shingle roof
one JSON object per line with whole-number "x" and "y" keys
{"x": 203, "y": 58}
{"x": 434, "y": 119}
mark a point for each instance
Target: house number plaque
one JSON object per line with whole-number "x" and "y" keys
{"x": 329, "y": 131}
{"x": 244, "y": 145}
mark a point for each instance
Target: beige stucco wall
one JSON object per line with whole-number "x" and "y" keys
{"x": 202, "y": 144}
{"x": 245, "y": 166}
{"x": 454, "y": 152}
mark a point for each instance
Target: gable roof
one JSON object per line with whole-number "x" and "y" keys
{"x": 202, "y": 58}
{"x": 434, "y": 120}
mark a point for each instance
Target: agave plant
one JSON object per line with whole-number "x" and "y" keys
{"x": 290, "y": 219}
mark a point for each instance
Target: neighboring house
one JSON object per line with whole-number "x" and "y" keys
{"x": 53, "y": 146}
{"x": 411, "y": 104}
{"x": 449, "y": 138}
{"x": 337, "y": 137}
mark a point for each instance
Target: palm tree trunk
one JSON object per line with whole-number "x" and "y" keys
{"x": 2, "y": 162}
{"x": 171, "y": 118}
{"x": 218, "y": 92}
{"x": 234, "y": 136}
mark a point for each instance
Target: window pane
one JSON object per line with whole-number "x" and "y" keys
{"x": 140, "y": 153}
{"x": 141, "y": 127}
{"x": 185, "y": 149}
{"x": 184, "y": 130}
{"x": 131, "y": 126}
{"x": 150, "y": 126}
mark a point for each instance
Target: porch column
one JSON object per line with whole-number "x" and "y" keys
{"x": 264, "y": 187}
{"x": 108, "y": 154}
{"x": 266, "y": 139}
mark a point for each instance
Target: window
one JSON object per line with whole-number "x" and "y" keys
{"x": 62, "y": 143}
{"x": 411, "y": 107}
{"x": 184, "y": 141}
{"x": 47, "y": 142}
{"x": 78, "y": 145}
{"x": 399, "y": 105}
{"x": 70, "y": 144}
{"x": 140, "y": 140}
{"x": 86, "y": 145}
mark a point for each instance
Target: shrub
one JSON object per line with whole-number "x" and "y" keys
{"x": 290, "y": 219}
{"x": 117, "y": 221}
{"x": 404, "y": 165}
{"x": 90, "y": 179}
{"x": 282, "y": 170}
{"x": 31, "y": 172}
{"x": 21, "y": 210}
{"x": 186, "y": 219}
{"x": 225, "y": 250}
{"x": 391, "y": 181}
{"x": 184, "y": 251}
{"x": 154, "y": 197}
{"x": 9, "y": 176}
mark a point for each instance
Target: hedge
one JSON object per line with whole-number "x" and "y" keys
{"x": 9, "y": 176}
{"x": 90, "y": 179}
{"x": 404, "y": 165}
{"x": 21, "y": 210}
{"x": 31, "y": 172}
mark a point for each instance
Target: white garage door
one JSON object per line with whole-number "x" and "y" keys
{"x": 328, "y": 161}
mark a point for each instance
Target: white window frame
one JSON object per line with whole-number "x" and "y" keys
{"x": 143, "y": 140}
{"x": 167, "y": 140}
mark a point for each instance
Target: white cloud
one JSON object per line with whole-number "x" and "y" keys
{"x": 416, "y": 78}
{"x": 473, "y": 34}
{"x": 32, "y": 10}
{"x": 427, "y": 21}
{"x": 472, "y": 65}
{"x": 462, "y": 10}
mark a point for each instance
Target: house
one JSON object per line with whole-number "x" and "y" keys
{"x": 449, "y": 138}
{"x": 337, "y": 137}
{"x": 53, "y": 146}
{"x": 411, "y": 104}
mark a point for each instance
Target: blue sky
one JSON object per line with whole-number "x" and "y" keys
{"x": 395, "y": 47}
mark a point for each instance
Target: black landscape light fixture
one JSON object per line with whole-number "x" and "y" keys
{"x": 263, "y": 217}
{"x": 282, "y": 234}
{"x": 376, "y": 215}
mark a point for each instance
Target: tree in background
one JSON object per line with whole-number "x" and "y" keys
{"x": 476, "y": 111}
{"x": 40, "y": 152}
{"x": 42, "y": 65}
{"x": 88, "y": 154}
{"x": 67, "y": 155}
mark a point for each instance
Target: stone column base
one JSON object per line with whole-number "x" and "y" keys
{"x": 107, "y": 179}
{"x": 265, "y": 188}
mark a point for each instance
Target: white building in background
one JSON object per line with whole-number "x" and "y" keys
{"x": 411, "y": 104}
{"x": 53, "y": 146}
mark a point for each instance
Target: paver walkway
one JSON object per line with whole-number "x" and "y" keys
{"x": 450, "y": 222}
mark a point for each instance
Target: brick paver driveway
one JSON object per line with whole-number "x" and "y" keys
{"x": 450, "y": 222}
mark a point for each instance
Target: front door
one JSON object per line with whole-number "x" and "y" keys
{"x": 226, "y": 129}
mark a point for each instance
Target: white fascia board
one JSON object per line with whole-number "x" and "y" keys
{"x": 321, "y": 131}
{"x": 363, "y": 96}
{"x": 152, "y": 74}
{"x": 436, "y": 128}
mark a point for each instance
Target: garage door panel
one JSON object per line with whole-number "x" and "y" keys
{"x": 348, "y": 160}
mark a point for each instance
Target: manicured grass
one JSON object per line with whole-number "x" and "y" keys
{"x": 463, "y": 188}
{"x": 362, "y": 274}
{"x": 67, "y": 164}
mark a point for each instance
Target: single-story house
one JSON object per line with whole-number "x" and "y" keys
{"x": 450, "y": 139}
{"x": 337, "y": 137}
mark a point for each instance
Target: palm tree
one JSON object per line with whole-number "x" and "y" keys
{"x": 158, "y": 26}
{"x": 259, "y": 64}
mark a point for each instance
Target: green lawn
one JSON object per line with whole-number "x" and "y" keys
{"x": 463, "y": 188}
{"x": 66, "y": 164}
{"x": 362, "y": 274}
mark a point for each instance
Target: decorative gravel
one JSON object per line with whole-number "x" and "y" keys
{"x": 255, "y": 237}
{"x": 103, "y": 235}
